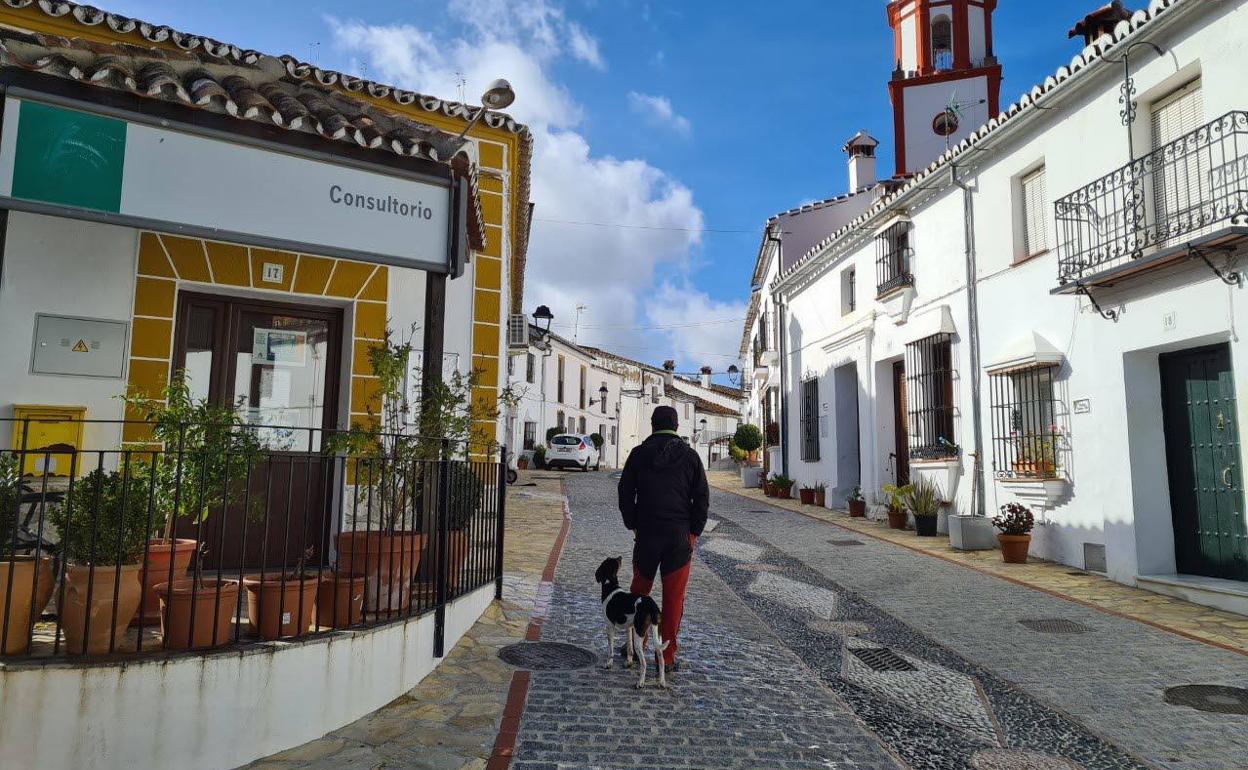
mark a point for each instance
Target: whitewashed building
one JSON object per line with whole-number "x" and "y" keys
{"x": 558, "y": 384}
{"x": 1047, "y": 311}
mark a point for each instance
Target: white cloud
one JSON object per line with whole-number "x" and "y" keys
{"x": 707, "y": 332}
{"x": 659, "y": 110}
{"x": 618, "y": 270}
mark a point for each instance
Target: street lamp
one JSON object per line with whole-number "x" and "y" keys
{"x": 543, "y": 344}
{"x": 498, "y": 96}
{"x": 543, "y": 314}
{"x": 734, "y": 374}
{"x": 707, "y": 439}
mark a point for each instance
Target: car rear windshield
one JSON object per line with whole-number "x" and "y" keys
{"x": 566, "y": 440}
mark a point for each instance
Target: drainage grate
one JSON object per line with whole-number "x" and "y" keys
{"x": 1055, "y": 626}
{"x": 1216, "y": 698}
{"x": 883, "y": 659}
{"x": 845, "y": 542}
{"x": 547, "y": 656}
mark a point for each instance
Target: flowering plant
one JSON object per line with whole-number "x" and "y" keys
{"x": 1014, "y": 519}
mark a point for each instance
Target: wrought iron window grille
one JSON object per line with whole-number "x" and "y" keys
{"x": 810, "y": 420}
{"x": 893, "y": 256}
{"x": 929, "y": 397}
{"x": 1028, "y": 440}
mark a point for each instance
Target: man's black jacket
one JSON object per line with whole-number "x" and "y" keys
{"x": 663, "y": 487}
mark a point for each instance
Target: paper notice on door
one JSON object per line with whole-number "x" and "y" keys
{"x": 277, "y": 346}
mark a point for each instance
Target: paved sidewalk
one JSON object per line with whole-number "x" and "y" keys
{"x": 450, "y": 720}
{"x": 1194, "y": 620}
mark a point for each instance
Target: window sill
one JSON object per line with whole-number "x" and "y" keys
{"x": 1023, "y": 260}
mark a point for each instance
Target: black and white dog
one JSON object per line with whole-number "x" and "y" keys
{"x": 635, "y": 614}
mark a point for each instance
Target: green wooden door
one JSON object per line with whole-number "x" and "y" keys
{"x": 1202, "y": 455}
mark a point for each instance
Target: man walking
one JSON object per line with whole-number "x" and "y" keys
{"x": 664, "y": 499}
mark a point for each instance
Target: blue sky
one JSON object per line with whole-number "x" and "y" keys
{"x": 663, "y": 120}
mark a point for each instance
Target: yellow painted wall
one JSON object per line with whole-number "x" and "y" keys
{"x": 167, "y": 263}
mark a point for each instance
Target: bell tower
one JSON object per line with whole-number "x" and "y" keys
{"x": 946, "y": 81}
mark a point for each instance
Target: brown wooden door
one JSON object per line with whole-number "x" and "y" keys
{"x": 277, "y": 365}
{"x": 901, "y": 437}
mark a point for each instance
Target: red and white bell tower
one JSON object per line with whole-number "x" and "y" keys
{"x": 947, "y": 82}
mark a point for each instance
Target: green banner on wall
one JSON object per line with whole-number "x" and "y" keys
{"x": 69, "y": 157}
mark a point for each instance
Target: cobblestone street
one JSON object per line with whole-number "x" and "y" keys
{"x": 808, "y": 646}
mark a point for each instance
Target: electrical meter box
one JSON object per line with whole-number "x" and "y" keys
{"x": 38, "y": 429}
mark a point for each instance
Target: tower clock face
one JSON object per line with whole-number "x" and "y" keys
{"x": 945, "y": 123}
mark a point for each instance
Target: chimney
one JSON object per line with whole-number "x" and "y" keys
{"x": 669, "y": 373}
{"x": 861, "y": 151}
{"x": 1100, "y": 22}
{"x": 706, "y": 377}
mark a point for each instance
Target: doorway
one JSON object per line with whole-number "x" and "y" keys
{"x": 277, "y": 366}
{"x": 901, "y": 436}
{"x": 1202, "y": 459}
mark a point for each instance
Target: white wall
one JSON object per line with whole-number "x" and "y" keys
{"x": 63, "y": 267}
{"x": 219, "y": 710}
{"x": 1116, "y": 493}
{"x": 924, "y": 102}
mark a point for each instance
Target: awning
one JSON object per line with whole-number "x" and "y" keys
{"x": 1028, "y": 351}
{"x": 928, "y": 323}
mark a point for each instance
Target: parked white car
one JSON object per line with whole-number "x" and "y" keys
{"x": 572, "y": 450}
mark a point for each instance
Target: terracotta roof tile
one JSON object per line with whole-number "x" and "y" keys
{"x": 249, "y": 92}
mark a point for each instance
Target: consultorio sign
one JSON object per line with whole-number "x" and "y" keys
{"x": 73, "y": 162}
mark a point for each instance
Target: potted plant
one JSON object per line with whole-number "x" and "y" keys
{"x": 539, "y": 457}
{"x": 748, "y": 438}
{"x": 781, "y": 484}
{"x": 807, "y": 495}
{"x": 1015, "y": 522}
{"x": 895, "y": 505}
{"x": 31, "y": 579}
{"x": 821, "y": 494}
{"x": 388, "y": 548}
{"x": 1037, "y": 456}
{"x": 197, "y": 613}
{"x": 924, "y": 501}
{"x": 773, "y": 434}
{"x": 857, "y": 504}
{"x": 465, "y": 499}
{"x": 103, "y": 525}
{"x": 208, "y": 451}
{"x": 281, "y": 605}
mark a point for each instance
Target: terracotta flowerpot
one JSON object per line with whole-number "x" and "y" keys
{"x": 340, "y": 600}
{"x": 159, "y": 552}
{"x": 858, "y": 508}
{"x": 390, "y": 562}
{"x": 457, "y": 555}
{"x": 768, "y": 489}
{"x": 821, "y": 498}
{"x": 522, "y": 464}
{"x": 925, "y": 526}
{"x": 28, "y": 576}
{"x": 93, "y": 627}
{"x": 783, "y": 493}
{"x": 1014, "y": 548}
{"x": 1034, "y": 468}
{"x": 807, "y": 496}
{"x": 278, "y": 608}
{"x": 896, "y": 519}
{"x": 213, "y": 614}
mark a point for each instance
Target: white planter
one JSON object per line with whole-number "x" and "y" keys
{"x": 972, "y": 533}
{"x": 750, "y": 476}
{"x": 942, "y": 519}
{"x": 775, "y": 459}
{"x": 1036, "y": 493}
{"x": 944, "y": 473}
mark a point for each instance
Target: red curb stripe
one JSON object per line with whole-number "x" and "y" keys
{"x": 1015, "y": 581}
{"x": 518, "y": 691}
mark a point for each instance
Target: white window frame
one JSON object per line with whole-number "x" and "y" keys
{"x": 1033, "y": 211}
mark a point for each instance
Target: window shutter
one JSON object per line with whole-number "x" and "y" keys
{"x": 517, "y": 330}
{"x": 1035, "y": 234}
{"x": 1177, "y": 176}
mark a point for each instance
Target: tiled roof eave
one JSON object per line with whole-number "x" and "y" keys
{"x": 144, "y": 32}
{"x": 1091, "y": 59}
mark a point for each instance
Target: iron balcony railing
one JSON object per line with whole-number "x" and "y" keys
{"x": 149, "y": 548}
{"x": 1191, "y": 187}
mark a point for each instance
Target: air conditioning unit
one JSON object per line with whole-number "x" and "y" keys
{"x": 517, "y": 331}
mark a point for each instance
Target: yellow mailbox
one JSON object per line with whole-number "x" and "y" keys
{"x": 38, "y": 427}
